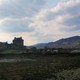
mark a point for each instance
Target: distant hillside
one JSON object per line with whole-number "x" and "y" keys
{"x": 40, "y": 45}
{"x": 64, "y": 43}
{"x": 68, "y": 40}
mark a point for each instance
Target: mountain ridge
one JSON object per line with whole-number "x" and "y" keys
{"x": 62, "y": 43}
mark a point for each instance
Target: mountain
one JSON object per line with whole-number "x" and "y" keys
{"x": 62, "y": 43}
{"x": 68, "y": 40}
{"x": 40, "y": 45}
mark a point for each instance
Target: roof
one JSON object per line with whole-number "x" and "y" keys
{"x": 20, "y": 38}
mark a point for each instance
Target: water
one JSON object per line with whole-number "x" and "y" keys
{"x": 16, "y": 60}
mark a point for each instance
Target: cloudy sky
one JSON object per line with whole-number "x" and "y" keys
{"x": 39, "y": 20}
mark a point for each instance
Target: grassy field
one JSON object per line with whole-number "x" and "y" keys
{"x": 48, "y": 67}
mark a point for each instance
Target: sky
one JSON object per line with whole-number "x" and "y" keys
{"x": 39, "y": 21}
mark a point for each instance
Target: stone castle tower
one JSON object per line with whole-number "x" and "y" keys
{"x": 18, "y": 42}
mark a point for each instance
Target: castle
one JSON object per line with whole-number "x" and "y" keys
{"x": 17, "y": 43}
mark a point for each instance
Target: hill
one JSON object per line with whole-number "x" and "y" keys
{"x": 62, "y": 43}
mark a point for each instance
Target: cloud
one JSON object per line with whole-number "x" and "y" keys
{"x": 15, "y": 15}
{"x": 15, "y": 25}
{"x": 59, "y": 21}
{"x": 20, "y": 8}
{"x": 36, "y": 23}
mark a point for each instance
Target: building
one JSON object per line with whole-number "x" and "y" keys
{"x": 3, "y": 45}
{"x": 17, "y": 43}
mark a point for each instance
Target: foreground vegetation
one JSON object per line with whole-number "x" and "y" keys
{"x": 34, "y": 50}
{"x": 45, "y": 67}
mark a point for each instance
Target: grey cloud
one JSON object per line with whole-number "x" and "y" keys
{"x": 15, "y": 25}
{"x": 20, "y": 8}
{"x": 50, "y": 16}
{"x": 74, "y": 21}
{"x": 74, "y": 10}
{"x": 68, "y": 22}
{"x": 71, "y": 29}
{"x": 17, "y": 9}
{"x": 63, "y": 20}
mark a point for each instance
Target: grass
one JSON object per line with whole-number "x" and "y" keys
{"x": 12, "y": 51}
{"x": 55, "y": 67}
